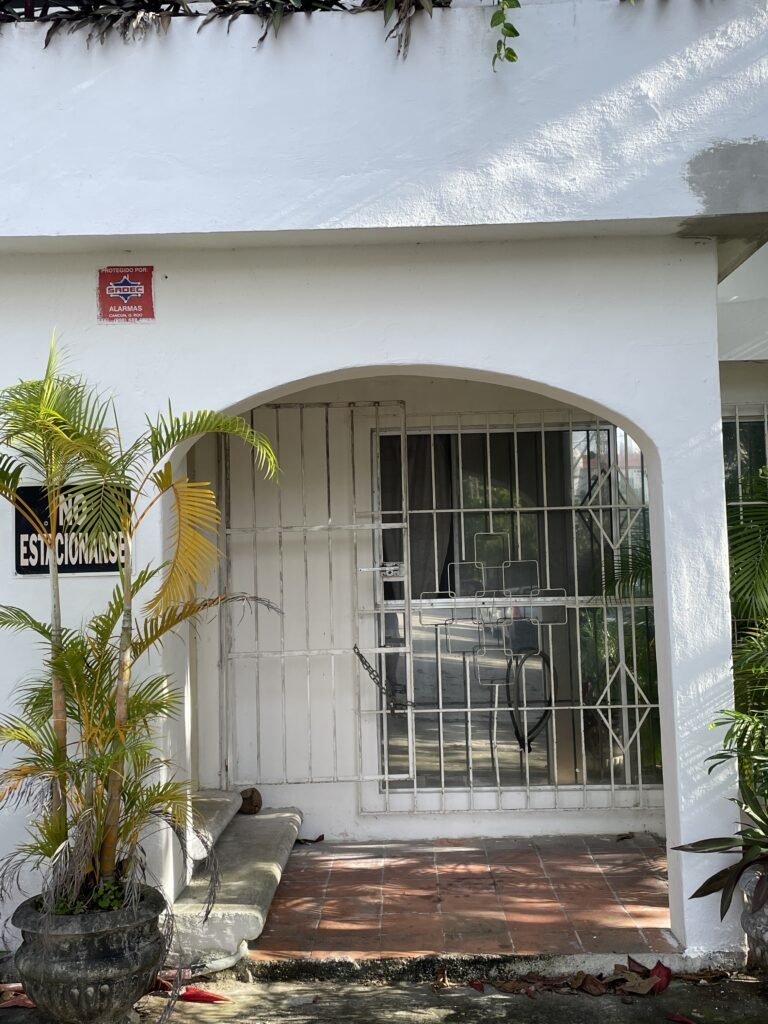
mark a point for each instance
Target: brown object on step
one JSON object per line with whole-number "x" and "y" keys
{"x": 251, "y": 801}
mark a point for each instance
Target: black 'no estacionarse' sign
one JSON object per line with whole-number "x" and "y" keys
{"x": 73, "y": 554}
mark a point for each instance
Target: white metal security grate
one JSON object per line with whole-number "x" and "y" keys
{"x": 464, "y": 556}
{"x": 295, "y": 706}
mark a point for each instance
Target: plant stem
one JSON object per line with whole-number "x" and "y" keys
{"x": 58, "y": 696}
{"x": 117, "y": 767}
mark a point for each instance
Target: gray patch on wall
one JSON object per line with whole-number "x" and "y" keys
{"x": 731, "y": 177}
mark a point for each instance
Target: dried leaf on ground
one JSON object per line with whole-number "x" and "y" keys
{"x": 637, "y": 968}
{"x": 708, "y": 976}
{"x": 640, "y": 986}
{"x": 441, "y": 980}
{"x": 518, "y": 986}
{"x": 678, "y": 1018}
{"x": 593, "y": 985}
{"x": 16, "y": 999}
{"x": 476, "y": 984}
{"x": 632, "y": 980}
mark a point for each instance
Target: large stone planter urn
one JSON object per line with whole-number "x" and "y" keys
{"x": 92, "y": 967}
{"x": 754, "y": 924}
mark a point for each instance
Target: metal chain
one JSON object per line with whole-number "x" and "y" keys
{"x": 385, "y": 689}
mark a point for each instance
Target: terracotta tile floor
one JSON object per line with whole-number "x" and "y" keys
{"x": 558, "y": 895}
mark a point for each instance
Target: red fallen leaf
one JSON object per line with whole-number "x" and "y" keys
{"x": 193, "y": 994}
{"x": 476, "y": 984}
{"x": 664, "y": 974}
{"x": 678, "y": 1018}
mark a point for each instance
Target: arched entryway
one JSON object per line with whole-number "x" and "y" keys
{"x": 449, "y": 658}
{"x": 460, "y": 537}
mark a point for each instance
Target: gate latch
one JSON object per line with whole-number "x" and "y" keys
{"x": 390, "y": 570}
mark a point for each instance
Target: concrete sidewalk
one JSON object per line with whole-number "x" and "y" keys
{"x": 735, "y": 1001}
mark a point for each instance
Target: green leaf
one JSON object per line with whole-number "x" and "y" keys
{"x": 427, "y": 5}
{"x": 760, "y": 895}
{"x": 510, "y": 55}
{"x": 277, "y": 17}
{"x": 512, "y": 3}
{"x": 389, "y": 10}
{"x": 712, "y": 845}
{"x": 509, "y": 31}
{"x": 713, "y": 884}
{"x": 754, "y": 806}
{"x": 750, "y": 856}
{"x": 497, "y": 18}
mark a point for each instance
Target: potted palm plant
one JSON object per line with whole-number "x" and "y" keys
{"x": 86, "y": 755}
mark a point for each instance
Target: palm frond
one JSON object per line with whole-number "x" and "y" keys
{"x": 196, "y": 518}
{"x": 17, "y": 620}
{"x": 748, "y": 549}
{"x": 630, "y": 574}
{"x": 103, "y": 625}
{"x": 153, "y": 629}
{"x": 169, "y": 431}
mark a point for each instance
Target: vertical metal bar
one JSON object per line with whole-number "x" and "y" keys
{"x": 616, "y": 529}
{"x": 488, "y": 487}
{"x": 463, "y": 556}
{"x": 226, "y": 727}
{"x": 470, "y": 753}
{"x": 305, "y": 553}
{"x": 410, "y": 682}
{"x": 440, "y": 726}
{"x": 434, "y": 500}
{"x": 636, "y": 702}
{"x": 257, "y": 609}
{"x": 495, "y": 744}
{"x": 578, "y": 699}
{"x": 517, "y": 502}
{"x": 545, "y": 500}
{"x": 331, "y": 610}
{"x": 738, "y": 456}
{"x": 379, "y": 605}
{"x": 281, "y": 565}
{"x": 356, "y": 607}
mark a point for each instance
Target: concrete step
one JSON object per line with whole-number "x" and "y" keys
{"x": 252, "y": 852}
{"x": 215, "y": 808}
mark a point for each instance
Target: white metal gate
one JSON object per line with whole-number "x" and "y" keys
{"x": 299, "y": 703}
{"x": 445, "y": 640}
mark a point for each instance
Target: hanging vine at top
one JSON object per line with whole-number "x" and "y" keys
{"x": 133, "y": 18}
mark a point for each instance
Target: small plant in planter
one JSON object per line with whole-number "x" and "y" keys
{"x": 751, "y": 842}
{"x": 750, "y": 872}
{"x": 86, "y": 757}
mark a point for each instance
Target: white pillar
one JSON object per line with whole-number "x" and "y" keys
{"x": 690, "y": 568}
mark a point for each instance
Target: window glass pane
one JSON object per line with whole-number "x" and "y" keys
{"x": 474, "y": 477}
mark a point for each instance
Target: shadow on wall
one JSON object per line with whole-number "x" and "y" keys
{"x": 731, "y": 177}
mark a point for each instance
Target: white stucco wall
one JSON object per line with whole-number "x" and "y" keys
{"x": 622, "y": 328}
{"x": 615, "y": 111}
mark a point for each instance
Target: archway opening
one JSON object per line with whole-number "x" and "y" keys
{"x": 452, "y": 656}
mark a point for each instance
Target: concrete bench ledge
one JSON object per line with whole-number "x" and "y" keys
{"x": 252, "y": 852}
{"x": 214, "y": 808}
